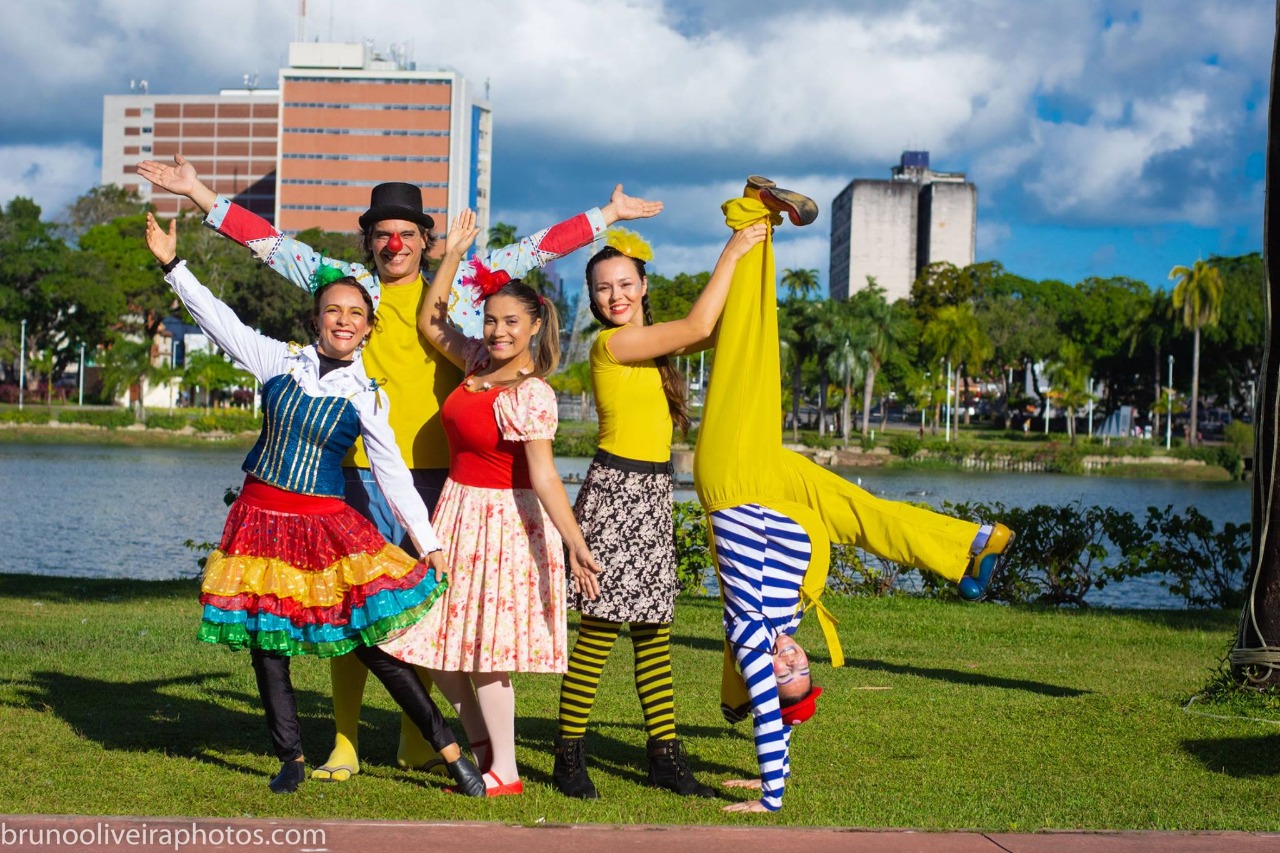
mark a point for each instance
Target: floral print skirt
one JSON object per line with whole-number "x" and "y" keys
{"x": 504, "y": 609}
{"x": 626, "y": 519}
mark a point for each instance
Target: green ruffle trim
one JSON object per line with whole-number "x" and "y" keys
{"x": 236, "y": 637}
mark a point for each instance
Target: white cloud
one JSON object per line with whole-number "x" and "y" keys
{"x": 1153, "y": 95}
{"x": 51, "y": 176}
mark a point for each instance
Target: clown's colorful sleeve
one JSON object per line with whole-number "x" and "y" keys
{"x": 291, "y": 258}
{"x": 518, "y": 259}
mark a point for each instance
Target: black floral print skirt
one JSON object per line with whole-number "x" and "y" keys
{"x": 625, "y": 516}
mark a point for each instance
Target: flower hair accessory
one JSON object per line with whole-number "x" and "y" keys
{"x": 484, "y": 281}
{"x": 629, "y": 243}
{"x": 325, "y": 274}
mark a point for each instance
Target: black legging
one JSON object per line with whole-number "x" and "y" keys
{"x": 281, "y": 705}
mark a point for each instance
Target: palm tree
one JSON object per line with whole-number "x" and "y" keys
{"x": 1070, "y": 374}
{"x": 882, "y": 338}
{"x": 800, "y": 284}
{"x": 1198, "y": 295}
{"x": 501, "y": 234}
{"x": 954, "y": 334}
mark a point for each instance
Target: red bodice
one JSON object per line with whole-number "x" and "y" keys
{"x": 478, "y": 454}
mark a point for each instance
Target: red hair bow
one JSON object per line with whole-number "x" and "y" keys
{"x": 484, "y": 281}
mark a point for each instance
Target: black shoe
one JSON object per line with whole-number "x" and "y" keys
{"x": 570, "y": 771}
{"x": 291, "y": 775}
{"x": 801, "y": 209}
{"x": 470, "y": 780}
{"x": 668, "y": 769}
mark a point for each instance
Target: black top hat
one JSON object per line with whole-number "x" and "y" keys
{"x": 395, "y": 201}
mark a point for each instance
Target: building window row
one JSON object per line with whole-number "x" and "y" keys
{"x": 324, "y": 105}
{"x": 384, "y": 81}
{"x": 336, "y": 208}
{"x": 313, "y": 182}
{"x": 357, "y": 131}
{"x": 368, "y": 158}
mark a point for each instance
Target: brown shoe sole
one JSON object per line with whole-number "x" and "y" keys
{"x": 800, "y": 209}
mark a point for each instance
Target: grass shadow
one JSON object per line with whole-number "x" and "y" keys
{"x": 1240, "y": 757}
{"x": 971, "y": 679}
{"x": 152, "y": 715}
{"x": 59, "y": 590}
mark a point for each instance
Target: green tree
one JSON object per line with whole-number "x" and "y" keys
{"x": 1070, "y": 375}
{"x": 101, "y": 205}
{"x": 1198, "y": 295}
{"x": 213, "y": 372}
{"x": 29, "y": 254}
{"x": 125, "y": 365}
{"x": 799, "y": 284}
{"x": 501, "y": 234}
{"x": 955, "y": 335}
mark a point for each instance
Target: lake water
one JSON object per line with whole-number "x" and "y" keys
{"x": 85, "y": 511}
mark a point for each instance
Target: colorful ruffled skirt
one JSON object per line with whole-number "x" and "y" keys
{"x": 299, "y": 574}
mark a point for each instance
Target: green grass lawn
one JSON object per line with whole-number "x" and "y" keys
{"x": 947, "y": 716}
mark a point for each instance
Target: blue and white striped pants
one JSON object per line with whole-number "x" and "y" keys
{"x": 762, "y": 558}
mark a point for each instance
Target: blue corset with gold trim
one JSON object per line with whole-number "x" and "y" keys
{"x": 303, "y": 440}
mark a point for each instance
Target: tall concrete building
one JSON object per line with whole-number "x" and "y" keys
{"x": 891, "y": 229}
{"x": 306, "y": 154}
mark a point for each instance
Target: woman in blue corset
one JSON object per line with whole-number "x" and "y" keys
{"x": 298, "y": 571}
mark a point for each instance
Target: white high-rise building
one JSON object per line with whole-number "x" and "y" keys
{"x": 891, "y": 229}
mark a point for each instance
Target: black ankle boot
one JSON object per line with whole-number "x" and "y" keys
{"x": 669, "y": 769}
{"x": 289, "y": 778}
{"x": 570, "y": 771}
{"x": 470, "y": 780}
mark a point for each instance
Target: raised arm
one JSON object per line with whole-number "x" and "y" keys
{"x": 433, "y": 317}
{"x": 543, "y": 247}
{"x": 260, "y": 355}
{"x": 291, "y": 258}
{"x": 696, "y": 330}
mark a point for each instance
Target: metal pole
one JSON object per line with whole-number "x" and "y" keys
{"x": 947, "y": 432}
{"x": 1090, "y": 407}
{"x": 81, "y": 374}
{"x": 22, "y": 365}
{"x": 1168, "y": 421}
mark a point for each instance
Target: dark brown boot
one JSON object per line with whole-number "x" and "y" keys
{"x": 669, "y": 769}
{"x": 570, "y": 771}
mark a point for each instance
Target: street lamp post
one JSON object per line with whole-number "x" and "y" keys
{"x": 947, "y": 433}
{"x": 82, "y": 374}
{"x": 22, "y": 365}
{"x": 1168, "y": 421}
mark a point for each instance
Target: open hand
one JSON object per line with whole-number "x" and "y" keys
{"x": 622, "y": 206}
{"x": 462, "y": 233}
{"x": 163, "y": 245}
{"x": 179, "y": 177}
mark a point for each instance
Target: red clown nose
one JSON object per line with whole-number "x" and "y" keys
{"x": 395, "y": 244}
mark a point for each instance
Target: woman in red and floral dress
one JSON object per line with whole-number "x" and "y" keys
{"x": 504, "y": 518}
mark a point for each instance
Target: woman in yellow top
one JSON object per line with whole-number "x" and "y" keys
{"x": 625, "y": 505}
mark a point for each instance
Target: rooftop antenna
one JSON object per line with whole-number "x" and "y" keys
{"x": 251, "y": 81}
{"x": 486, "y": 88}
{"x": 302, "y": 20}
{"x": 139, "y": 86}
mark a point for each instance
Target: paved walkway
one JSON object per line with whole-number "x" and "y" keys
{"x": 36, "y": 833}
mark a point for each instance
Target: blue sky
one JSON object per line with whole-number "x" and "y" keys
{"x": 1106, "y": 138}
